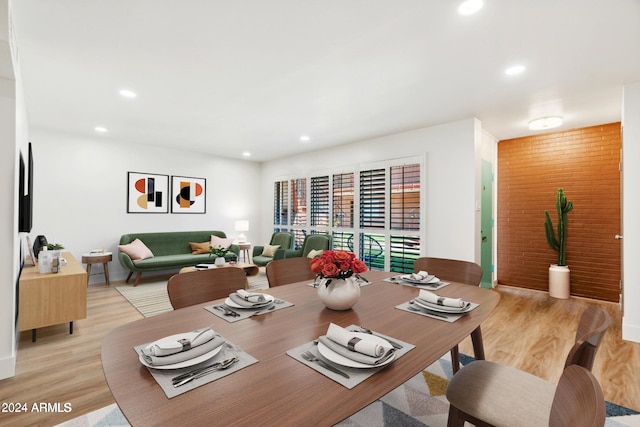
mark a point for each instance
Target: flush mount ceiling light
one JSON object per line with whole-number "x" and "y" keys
{"x": 515, "y": 69}
{"x": 545, "y": 123}
{"x": 126, "y": 93}
{"x": 100, "y": 129}
{"x": 469, "y": 7}
{"x": 246, "y": 154}
{"x": 305, "y": 138}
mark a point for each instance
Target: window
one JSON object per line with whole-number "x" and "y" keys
{"x": 343, "y": 200}
{"x": 320, "y": 201}
{"x": 372, "y": 198}
{"x": 299, "y": 201}
{"x": 280, "y": 202}
{"x": 372, "y": 211}
{"x": 405, "y": 197}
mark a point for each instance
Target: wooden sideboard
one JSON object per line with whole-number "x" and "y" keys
{"x": 52, "y": 298}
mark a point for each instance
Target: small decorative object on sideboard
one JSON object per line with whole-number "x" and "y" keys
{"x": 559, "y": 285}
{"x": 338, "y": 289}
{"x": 50, "y": 261}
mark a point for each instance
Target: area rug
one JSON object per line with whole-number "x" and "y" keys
{"x": 418, "y": 402}
{"x": 151, "y": 299}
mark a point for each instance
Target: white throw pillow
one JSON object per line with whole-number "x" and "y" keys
{"x": 270, "y": 250}
{"x": 136, "y": 250}
{"x": 314, "y": 253}
{"x": 219, "y": 242}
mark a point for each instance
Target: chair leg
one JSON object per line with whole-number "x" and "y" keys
{"x": 455, "y": 359}
{"x": 129, "y": 277}
{"x": 455, "y": 417}
{"x": 478, "y": 347}
{"x": 135, "y": 283}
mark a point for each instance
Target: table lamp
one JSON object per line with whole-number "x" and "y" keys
{"x": 241, "y": 226}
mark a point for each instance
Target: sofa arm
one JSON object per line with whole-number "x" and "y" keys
{"x": 235, "y": 249}
{"x": 257, "y": 251}
{"x": 126, "y": 262}
{"x": 280, "y": 254}
{"x": 293, "y": 253}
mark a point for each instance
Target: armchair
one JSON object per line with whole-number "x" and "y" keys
{"x": 282, "y": 239}
{"x": 311, "y": 242}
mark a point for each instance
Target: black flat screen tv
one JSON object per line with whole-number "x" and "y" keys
{"x": 25, "y": 190}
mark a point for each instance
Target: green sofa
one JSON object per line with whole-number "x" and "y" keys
{"x": 171, "y": 251}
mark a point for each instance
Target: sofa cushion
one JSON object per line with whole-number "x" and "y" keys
{"x": 136, "y": 250}
{"x": 314, "y": 253}
{"x": 270, "y": 250}
{"x": 199, "y": 248}
{"x": 218, "y": 242}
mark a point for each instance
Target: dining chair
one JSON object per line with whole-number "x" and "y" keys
{"x": 459, "y": 271}
{"x": 487, "y": 394}
{"x": 289, "y": 270}
{"x": 196, "y": 287}
{"x": 472, "y": 392}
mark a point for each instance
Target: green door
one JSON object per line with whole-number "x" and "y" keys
{"x": 486, "y": 224}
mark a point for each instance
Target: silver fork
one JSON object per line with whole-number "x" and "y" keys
{"x": 220, "y": 366}
{"x": 307, "y": 355}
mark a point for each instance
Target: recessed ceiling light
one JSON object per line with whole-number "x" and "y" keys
{"x": 100, "y": 129}
{"x": 126, "y": 93}
{"x": 515, "y": 69}
{"x": 305, "y": 138}
{"x": 469, "y": 7}
{"x": 246, "y": 154}
{"x": 545, "y": 123}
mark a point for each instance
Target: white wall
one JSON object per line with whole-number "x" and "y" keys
{"x": 631, "y": 211}
{"x": 452, "y": 179}
{"x": 80, "y": 192}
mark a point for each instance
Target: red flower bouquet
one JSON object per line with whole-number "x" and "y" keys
{"x": 337, "y": 265}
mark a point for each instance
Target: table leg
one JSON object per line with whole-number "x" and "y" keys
{"x": 88, "y": 272}
{"x": 106, "y": 272}
{"x": 71, "y": 327}
{"x": 33, "y": 335}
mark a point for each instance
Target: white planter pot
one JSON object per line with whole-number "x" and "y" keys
{"x": 559, "y": 285}
{"x": 340, "y": 294}
{"x": 219, "y": 261}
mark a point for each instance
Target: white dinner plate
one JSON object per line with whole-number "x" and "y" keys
{"x": 430, "y": 279}
{"x": 339, "y": 359}
{"x": 186, "y": 363}
{"x": 231, "y": 303}
{"x": 443, "y": 308}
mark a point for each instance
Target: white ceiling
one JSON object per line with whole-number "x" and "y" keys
{"x": 223, "y": 77}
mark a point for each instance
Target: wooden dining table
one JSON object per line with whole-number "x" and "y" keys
{"x": 279, "y": 390}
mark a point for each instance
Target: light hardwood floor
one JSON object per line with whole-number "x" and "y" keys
{"x": 528, "y": 330}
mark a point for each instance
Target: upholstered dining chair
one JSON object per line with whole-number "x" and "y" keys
{"x": 462, "y": 272}
{"x": 263, "y": 254}
{"x": 196, "y": 287}
{"x": 289, "y": 270}
{"x": 483, "y": 392}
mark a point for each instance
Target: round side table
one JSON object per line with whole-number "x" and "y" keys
{"x": 244, "y": 250}
{"x": 103, "y": 258}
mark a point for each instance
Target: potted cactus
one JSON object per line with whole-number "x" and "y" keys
{"x": 559, "y": 273}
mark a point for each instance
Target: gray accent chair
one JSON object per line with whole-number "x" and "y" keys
{"x": 283, "y": 239}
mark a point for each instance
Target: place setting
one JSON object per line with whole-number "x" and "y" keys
{"x": 433, "y": 305}
{"x": 243, "y": 304}
{"x": 421, "y": 279}
{"x": 185, "y": 361}
{"x": 350, "y": 355}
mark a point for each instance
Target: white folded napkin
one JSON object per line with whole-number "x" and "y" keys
{"x": 432, "y": 298}
{"x": 361, "y": 349}
{"x": 420, "y": 275}
{"x": 243, "y": 303}
{"x": 251, "y": 296}
{"x": 181, "y": 347}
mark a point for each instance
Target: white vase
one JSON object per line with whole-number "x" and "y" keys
{"x": 559, "y": 285}
{"x": 220, "y": 261}
{"x": 339, "y": 294}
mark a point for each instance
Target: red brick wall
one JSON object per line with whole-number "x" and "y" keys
{"x": 585, "y": 163}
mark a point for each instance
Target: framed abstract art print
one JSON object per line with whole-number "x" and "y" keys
{"x": 147, "y": 193}
{"x": 188, "y": 195}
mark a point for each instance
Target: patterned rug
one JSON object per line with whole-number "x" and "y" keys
{"x": 151, "y": 299}
{"x": 418, "y": 402}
